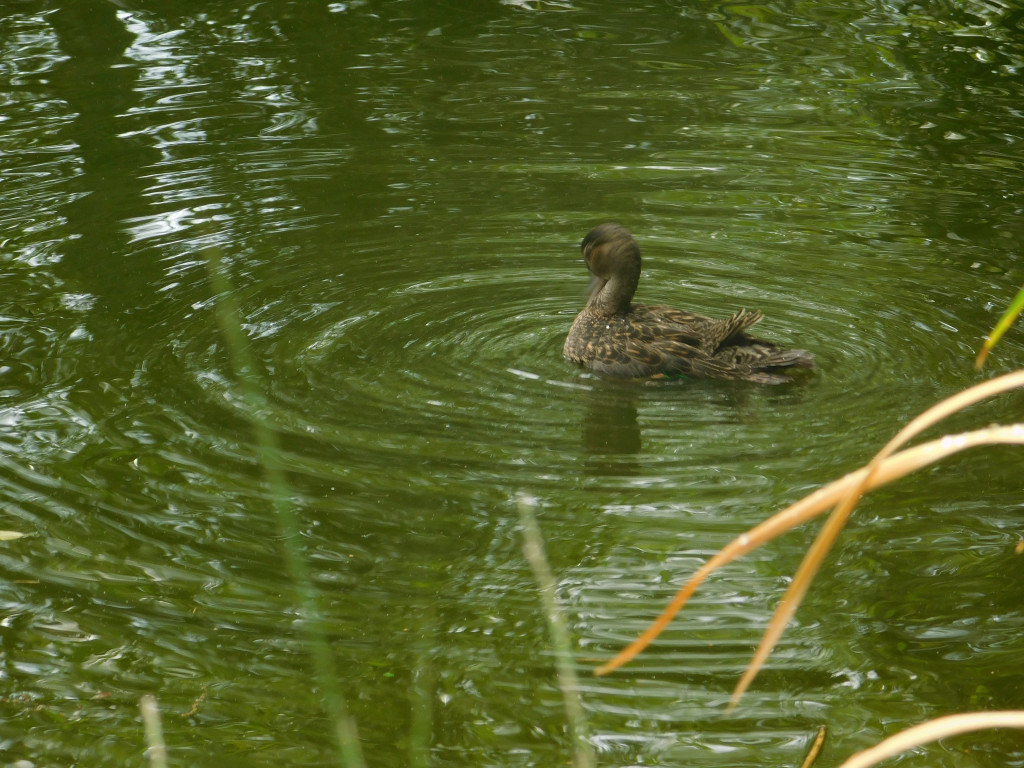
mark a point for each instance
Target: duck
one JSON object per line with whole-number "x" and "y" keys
{"x": 615, "y": 337}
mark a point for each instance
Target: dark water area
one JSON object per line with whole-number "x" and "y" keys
{"x": 394, "y": 193}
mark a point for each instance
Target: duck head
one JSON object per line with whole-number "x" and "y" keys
{"x": 613, "y": 258}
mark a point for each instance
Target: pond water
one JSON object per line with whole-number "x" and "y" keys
{"x": 393, "y": 193}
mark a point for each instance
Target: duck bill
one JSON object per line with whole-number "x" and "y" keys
{"x": 596, "y": 284}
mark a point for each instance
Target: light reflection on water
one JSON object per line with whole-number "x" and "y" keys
{"x": 396, "y": 200}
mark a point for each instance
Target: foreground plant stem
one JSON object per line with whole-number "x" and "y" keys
{"x": 568, "y": 682}
{"x": 313, "y": 625}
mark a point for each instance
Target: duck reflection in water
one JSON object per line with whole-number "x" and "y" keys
{"x": 611, "y": 430}
{"x": 613, "y": 336}
{"x": 611, "y": 426}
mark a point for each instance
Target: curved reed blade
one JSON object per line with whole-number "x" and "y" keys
{"x": 808, "y": 508}
{"x": 951, "y": 405}
{"x": 1001, "y": 327}
{"x": 934, "y": 730}
{"x": 805, "y": 509}
{"x": 826, "y": 538}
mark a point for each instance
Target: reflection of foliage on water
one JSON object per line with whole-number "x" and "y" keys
{"x": 395, "y": 189}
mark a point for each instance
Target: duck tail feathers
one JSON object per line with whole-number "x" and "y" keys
{"x": 788, "y": 358}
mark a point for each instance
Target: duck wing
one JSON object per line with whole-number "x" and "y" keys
{"x": 698, "y": 330}
{"x": 695, "y": 345}
{"x": 636, "y": 357}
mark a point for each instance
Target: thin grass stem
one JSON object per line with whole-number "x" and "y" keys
{"x": 257, "y": 409}
{"x": 568, "y": 682}
{"x": 1008, "y": 318}
{"x": 815, "y": 749}
{"x": 153, "y": 728}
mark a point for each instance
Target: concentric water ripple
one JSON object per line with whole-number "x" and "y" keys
{"x": 466, "y": 367}
{"x": 392, "y": 194}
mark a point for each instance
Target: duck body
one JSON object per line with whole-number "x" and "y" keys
{"x": 616, "y": 337}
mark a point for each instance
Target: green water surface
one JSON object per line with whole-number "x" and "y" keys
{"x": 394, "y": 191}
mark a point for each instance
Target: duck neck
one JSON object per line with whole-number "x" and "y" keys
{"x": 615, "y": 295}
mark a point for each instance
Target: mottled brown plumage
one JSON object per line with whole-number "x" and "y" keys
{"x": 616, "y": 337}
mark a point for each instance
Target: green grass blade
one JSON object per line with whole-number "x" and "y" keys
{"x": 314, "y": 626}
{"x": 568, "y": 682}
{"x": 1004, "y": 323}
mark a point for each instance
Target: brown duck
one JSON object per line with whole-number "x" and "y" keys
{"x": 616, "y": 337}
